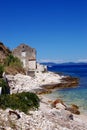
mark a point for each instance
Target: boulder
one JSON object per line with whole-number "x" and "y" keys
{"x": 66, "y": 115}
{"x": 60, "y": 106}
{"x": 74, "y": 106}
{"x": 54, "y": 103}
{"x": 62, "y": 114}
{"x": 73, "y": 109}
{"x": 70, "y": 81}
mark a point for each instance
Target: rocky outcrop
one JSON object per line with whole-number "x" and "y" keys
{"x": 66, "y": 82}
{"x": 74, "y": 109}
{"x": 40, "y": 83}
{"x": 20, "y": 83}
{"x": 71, "y": 81}
{"x": 59, "y": 104}
{"x": 58, "y": 101}
{"x": 4, "y": 51}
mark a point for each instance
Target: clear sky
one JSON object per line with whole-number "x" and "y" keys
{"x": 56, "y": 28}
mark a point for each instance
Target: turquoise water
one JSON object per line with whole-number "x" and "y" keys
{"x": 76, "y": 95}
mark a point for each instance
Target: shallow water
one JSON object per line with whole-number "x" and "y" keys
{"x": 76, "y": 95}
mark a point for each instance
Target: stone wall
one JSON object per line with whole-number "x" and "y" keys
{"x": 32, "y": 64}
{"x": 41, "y": 67}
{"x": 27, "y": 55}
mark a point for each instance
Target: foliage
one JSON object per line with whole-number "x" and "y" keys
{"x": 1, "y": 70}
{"x": 11, "y": 60}
{"x": 5, "y": 87}
{"x": 3, "y": 83}
{"x": 22, "y": 101}
{"x": 13, "y": 65}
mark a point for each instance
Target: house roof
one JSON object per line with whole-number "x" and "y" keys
{"x": 24, "y": 46}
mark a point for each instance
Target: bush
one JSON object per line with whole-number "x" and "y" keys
{"x": 12, "y": 61}
{"x": 22, "y": 101}
{"x": 3, "y": 83}
{"x": 13, "y": 65}
{"x": 5, "y": 87}
{"x": 1, "y": 70}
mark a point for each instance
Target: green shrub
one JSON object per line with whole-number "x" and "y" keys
{"x": 13, "y": 65}
{"x": 5, "y": 87}
{"x": 22, "y": 101}
{"x": 1, "y": 70}
{"x": 12, "y": 61}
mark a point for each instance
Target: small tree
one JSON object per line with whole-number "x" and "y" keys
{"x": 1, "y": 70}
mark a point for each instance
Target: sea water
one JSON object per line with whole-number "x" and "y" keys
{"x": 77, "y": 95}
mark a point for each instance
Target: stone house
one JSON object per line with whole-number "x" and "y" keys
{"x": 27, "y": 55}
{"x": 41, "y": 68}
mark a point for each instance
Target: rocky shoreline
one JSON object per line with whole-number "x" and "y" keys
{"x": 41, "y": 83}
{"x": 66, "y": 82}
{"x": 51, "y": 115}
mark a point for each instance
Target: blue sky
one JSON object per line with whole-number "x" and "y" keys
{"x": 56, "y": 28}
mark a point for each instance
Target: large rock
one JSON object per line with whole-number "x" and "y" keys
{"x": 57, "y": 102}
{"x": 62, "y": 114}
{"x": 74, "y": 109}
{"x": 70, "y": 81}
{"x": 60, "y": 106}
{"x": 4, "y": 52}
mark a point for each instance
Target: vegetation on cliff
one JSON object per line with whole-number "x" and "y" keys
{"x": 1, "y": 70}
{"x": 13, "y": 65}
{"x": 4, "y": 51}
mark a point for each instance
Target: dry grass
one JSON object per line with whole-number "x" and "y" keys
{"x": 14, "y": 70}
